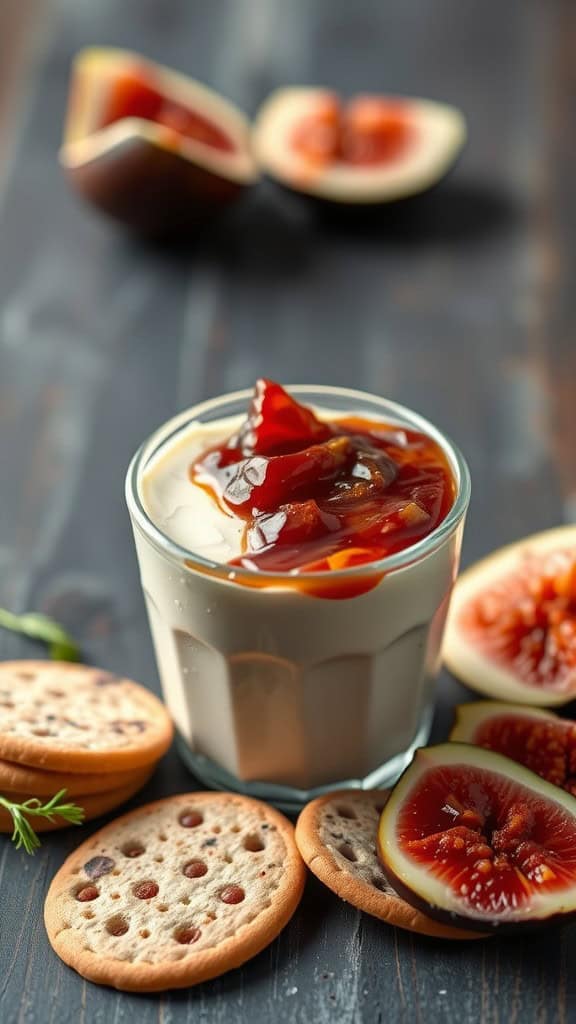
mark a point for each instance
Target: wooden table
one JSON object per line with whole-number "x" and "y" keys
{"x": 459, "y": 304}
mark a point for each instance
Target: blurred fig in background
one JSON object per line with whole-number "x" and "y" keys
{"x": 149, "y": 146}
{"x": 373, "y": 149}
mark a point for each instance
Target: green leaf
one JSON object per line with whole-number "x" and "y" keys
{"x": 40, "y": 627}
{"x": 24, "y": 834}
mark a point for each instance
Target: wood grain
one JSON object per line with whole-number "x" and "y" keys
{"x": 22, "y": 28}
{"x": 459, "y": 303}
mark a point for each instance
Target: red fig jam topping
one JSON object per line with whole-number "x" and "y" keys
{"x": 145, "y": 890}
{"x": 527, "y": 619}
{"x": 320, "y": 496}
{"x": 87, "y": 893}
{"x": 366, "y": 132}
{"x": 195, "y": 869}
{"x": 277, "y": 424}
{"x": 547, "y": 748}
{"x": 491, "y": 840}
{"x": 138, "y": 94}
{"x": 190, "y": 819}
{"x": 232, "y": 894}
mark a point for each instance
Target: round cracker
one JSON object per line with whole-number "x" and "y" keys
{"x": 95, "y": 805}
{"x": 16, "y": 779}
{"x": 73, "y": 718}
{"x": 240, "y": 841}
{"x": 336, "y": 835}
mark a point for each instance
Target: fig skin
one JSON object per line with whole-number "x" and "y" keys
{"x": 465, "y": 659}
{"x": 476, "y": 712}
{"x": 444, "y": 916}
{"x": 468, "y": 717}
{"x": 157, "y": 182}
{"x": 467, "y": 755}
{"x": 155, "y": 191}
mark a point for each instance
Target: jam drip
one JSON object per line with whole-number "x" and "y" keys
{"x": 368, "y": 131}
{"x": 527, "y": 619}
{"x": 488, "y": 838}
{"x": 317, "y": 496}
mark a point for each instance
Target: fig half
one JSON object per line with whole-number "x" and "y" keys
{"x": 511, "y": 630}
{"x": 150, "y": 147}
{"x": 474, "y": 839}
{"x": 375, "y": 149}
{"x": 540, "y": 740}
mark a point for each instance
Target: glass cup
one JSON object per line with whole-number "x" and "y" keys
{"x": 277, "y": 692}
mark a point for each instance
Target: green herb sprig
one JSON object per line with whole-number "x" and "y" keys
{"x": 41, "y": 627}
{"x": 24, "y": 834}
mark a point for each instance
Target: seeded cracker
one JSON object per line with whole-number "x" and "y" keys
{"x": 16, "y": 779}
{"x": 72, "y": 718}
{"x": 176, "y": 892}
{"x": 336, "y": 835}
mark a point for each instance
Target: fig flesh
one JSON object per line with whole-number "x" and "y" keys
{"x": 374, "y": 149}
{"x": 150, "y": 147}
{"x": 511, "y": 631}
{"x": 540, "y": 740}
{"x": 474, "y": 839}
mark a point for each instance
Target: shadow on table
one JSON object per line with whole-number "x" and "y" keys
{"x": 531, "y": 963}
{"x": 269, "y": 232}
{"x": 452, "y": 212}
{"x": 276, "y": 232}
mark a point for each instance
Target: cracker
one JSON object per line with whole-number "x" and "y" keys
{"x": 72, "y": 718}
{"x": 336, "y": 835}
{"x": 95, "y": 805}
{"x": 18, "y": 778}
{"x": 162, "y": 881}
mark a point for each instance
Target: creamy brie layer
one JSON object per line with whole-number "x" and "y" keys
{"x": 185, "y": 512}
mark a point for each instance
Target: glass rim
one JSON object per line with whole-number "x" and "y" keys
{"x": 191, "y": 560}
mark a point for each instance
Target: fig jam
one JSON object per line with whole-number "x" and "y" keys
{"x": 137, "y": 94}
{"x": 318, "y": 496}
{"x": 527, "y": 620}
{"x": 494, "y": 842}
{"x": 366, "y": 132}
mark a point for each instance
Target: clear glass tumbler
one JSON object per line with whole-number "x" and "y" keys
{"x": 276, "y": 692}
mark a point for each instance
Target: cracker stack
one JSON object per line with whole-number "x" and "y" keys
{"x": 64, "y": 726}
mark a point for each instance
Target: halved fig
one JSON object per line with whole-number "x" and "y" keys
{"x": 511, "y": 630}
{"x": 151, "y": 147}
{"x": 540, "y": 740}
{"x": 374, "y": 149}
{"x": 474, "y": 839}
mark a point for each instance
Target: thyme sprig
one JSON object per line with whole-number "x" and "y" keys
{"x": 38, "y": 626}
{"x": 24, "y": 835}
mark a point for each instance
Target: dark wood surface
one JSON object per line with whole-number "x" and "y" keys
{"x": 460, "y": 304}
